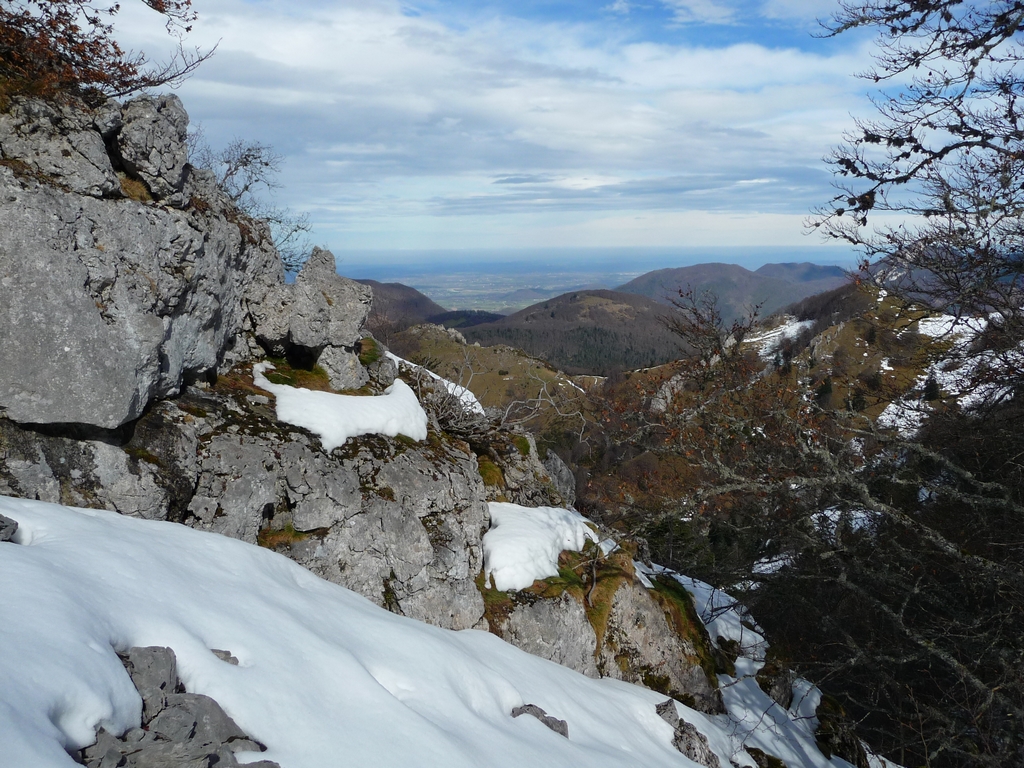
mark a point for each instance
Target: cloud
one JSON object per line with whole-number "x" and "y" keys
{"x": 701, "y": 12}
{"x": 393, "y": 124}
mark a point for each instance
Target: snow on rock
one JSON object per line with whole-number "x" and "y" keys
{"x": 324, "y": 677}
{"x": 336, "y": 418}
{"x": 769, "y": 341}
{"x": 467, "y": 398}
{"x": 523, "y": 543}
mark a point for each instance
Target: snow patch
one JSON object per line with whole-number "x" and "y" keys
{"x": 523, "y": 543}
{"x": 468, "y": 399}
{"x": 336, "y": 418}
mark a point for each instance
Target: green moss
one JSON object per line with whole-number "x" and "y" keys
{"x": 193, "y": 409}
{"x": 497, "y": 604}
{"x": 682, "y": 616}
{"x": 286, "y": 374}
{"x": 142, "y": 454}
{"x": 522, "y": 445}
{"x": 490, "y": 472}
{"x": 369, "y": 351}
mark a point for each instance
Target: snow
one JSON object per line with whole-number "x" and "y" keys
{"x": 523, "y": 543}
{"x": 324, "y": 675}
{"x": 769, "y": 341}
{"x": 336, "y": 418}
{"x": 467, "y": 398}
{"x": 957, "y": 375}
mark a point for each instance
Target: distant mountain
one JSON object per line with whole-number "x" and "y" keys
{"x": 587, "y": 332}
{"x": 463, "y": 318}
{"x": 397, "y": 306}
{"x": 773, "y": 285}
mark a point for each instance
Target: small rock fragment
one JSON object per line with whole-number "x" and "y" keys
{"x": 225, "y": 656}
{"x": 8, "y": 528}
{"x": 558, "y": 726}
{"x": 687, "y": 739}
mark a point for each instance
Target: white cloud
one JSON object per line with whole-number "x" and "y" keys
{"x": 701, "y": 12}
{"x": 397, "y": 127}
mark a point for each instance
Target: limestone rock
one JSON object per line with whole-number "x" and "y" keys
{"x": 558, "y": 726}
{"x": 8, "y": 528}
{"x": 641, "y": 647}
{"x": 154, "y": 671}
{"x": 237, "y": 488}
{"x": 556, "y": 630}
{"x": 61, "y": 143}
{"x": 561, "y": 477}
{"x": 181, "y": 730}
{"x": 687, "y": 739}
{"x": 319, "y": 309}
{"x": 106, "y": 304}
{"x": 343, "y": 368}
{"x": 152, "y": 144}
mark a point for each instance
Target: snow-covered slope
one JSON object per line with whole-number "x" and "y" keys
{"x": 325, "y": 677}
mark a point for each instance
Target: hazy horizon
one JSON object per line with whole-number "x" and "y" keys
{"x": 487, "y": 278}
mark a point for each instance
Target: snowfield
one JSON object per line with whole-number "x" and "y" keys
{"x": 325, "y": 677}
{"x": 336, "y": 418}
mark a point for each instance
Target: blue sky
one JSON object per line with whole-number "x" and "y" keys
{"x": 530, "y": 124}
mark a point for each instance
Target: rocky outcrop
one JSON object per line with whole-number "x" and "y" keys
{"x": 133, "y": 299}
{"x": 643, "y": 644}
{"x": 398, "y": 521}
{"x": 686, "y": 738}
{"x": 557, "y": 630}
{"x": 609, "y": 625}
{"x": 177, "y": 730}
{"x": 321, "y": 309}
{"x": 106, "y": 302}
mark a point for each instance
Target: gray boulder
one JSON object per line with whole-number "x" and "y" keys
{"x": 8, "y": 528}
{"x": 558, "y": 726}
{"x": 152, "y": 144}
{"x": 154, "y": 671}
{"x": 343, "y": 368}
{"x": 106, "y": 304}
{"x": 687, "y": 739}
{"x": 179, "y": 730}
{"x": 318, "y": 310}
{"x": 59, "y": 142}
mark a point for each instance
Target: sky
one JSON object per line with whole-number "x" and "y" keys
{"x": 525, "y": 124}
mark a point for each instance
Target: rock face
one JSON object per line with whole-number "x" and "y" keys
{"x": 617, "y": 629}
{"x": 151, "y": 144}
{"x": 642, "y": 646}
{"x": 107, "y": 302}
{"x": 557, "y": 630}
{"x": 320, "y": 309}
{"x": 178, "y": 729}
{"x": 398, "y": 521}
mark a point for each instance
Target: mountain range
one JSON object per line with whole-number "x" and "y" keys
{"x": 599, "y": 331}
